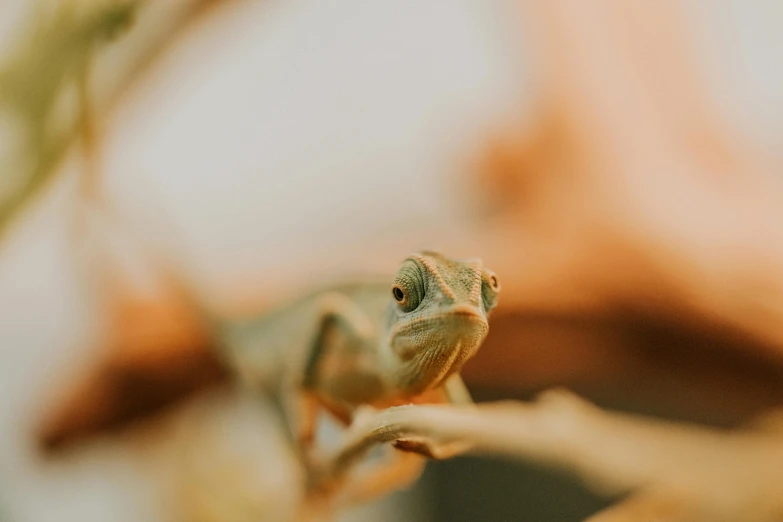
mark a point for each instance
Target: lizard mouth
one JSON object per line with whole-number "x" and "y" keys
{"x": 437, "y": 346}
{"x": 447, "y": 320}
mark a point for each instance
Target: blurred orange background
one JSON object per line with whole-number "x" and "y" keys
{"x": 616, "y": 163}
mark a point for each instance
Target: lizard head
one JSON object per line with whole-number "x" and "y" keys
{"x": 437, "y": 317}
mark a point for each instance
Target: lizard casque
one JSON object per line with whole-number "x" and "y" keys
{"x": 367, "y": 344}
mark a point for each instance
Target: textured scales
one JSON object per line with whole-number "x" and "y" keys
{"x": 375, "y": 344}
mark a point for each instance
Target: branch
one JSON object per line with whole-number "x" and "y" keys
{"x": 706, "y": 473}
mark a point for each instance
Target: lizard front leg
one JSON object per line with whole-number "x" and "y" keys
{"x": 403, "y": 465}
{"x": 340, "y": 323}
{"x": 456, "y": 392}
{"x": 352, "y": 483}
{"x": 398, "y": 471}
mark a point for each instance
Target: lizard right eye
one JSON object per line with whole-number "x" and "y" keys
{"x": 408, "y": 287}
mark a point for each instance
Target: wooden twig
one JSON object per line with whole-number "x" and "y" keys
{"x": 677, "y": 468}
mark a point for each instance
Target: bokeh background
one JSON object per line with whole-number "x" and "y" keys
{"x": 616, "y": 163}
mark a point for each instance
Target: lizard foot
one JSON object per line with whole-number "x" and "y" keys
{"x": 438, "y": 451}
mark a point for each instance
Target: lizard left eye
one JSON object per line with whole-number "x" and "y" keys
{"x": 490, "y": 286}
{"x": 494, "y": 284}
{"x": 398, "y": 294}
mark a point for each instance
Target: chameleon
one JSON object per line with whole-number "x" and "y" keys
{"x": 376, "y": 344}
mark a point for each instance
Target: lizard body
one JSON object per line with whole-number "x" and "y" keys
{"x": 373, "y": 343}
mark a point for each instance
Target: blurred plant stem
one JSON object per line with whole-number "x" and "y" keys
{"x": 94, "y": 86}
{"x": 53, "y": 59}
{"x": 51, "y": 96}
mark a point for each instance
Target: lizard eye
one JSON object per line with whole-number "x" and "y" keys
{"x": 408, "y": 287}
{"x": 490, "y": 286}
{"x": 493, "y": 282}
